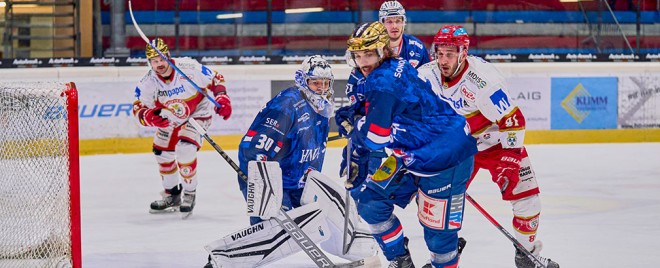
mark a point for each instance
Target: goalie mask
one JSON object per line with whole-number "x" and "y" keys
{"x": 316, "y": 71}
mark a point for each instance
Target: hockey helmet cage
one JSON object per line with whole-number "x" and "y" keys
{"x": 159, "y": 44}
{"x": 368, "y": 36}
{"x": 391, "y": 9}
{"x": 453, "y": 35}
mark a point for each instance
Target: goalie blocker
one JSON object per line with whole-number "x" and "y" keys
{"x": 320, "y": 216}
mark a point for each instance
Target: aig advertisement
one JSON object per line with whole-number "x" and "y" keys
{"x": 584, "y": 103}
{"x": 639, "y": 101}
{"x": 532, "y": 95}
{"x": 105, "y": 109}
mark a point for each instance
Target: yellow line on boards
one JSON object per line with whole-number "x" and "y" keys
{"x": 230, "y": 142}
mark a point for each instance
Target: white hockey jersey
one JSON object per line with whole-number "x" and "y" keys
{"x": 479, "y": 93}
{"x": 178, "y": 96}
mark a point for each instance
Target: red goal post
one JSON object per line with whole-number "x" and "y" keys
{"x": 39, "y": 175}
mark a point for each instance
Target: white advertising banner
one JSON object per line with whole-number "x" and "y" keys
{"x": 532, "y": 95}
{"x": 639, "y": 101}
{"x": 105, "y": 109}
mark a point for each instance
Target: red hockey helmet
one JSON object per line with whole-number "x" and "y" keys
{"x": 453, "y": 35}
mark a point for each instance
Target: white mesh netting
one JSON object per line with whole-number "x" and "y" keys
{"x": 34, "y": 176}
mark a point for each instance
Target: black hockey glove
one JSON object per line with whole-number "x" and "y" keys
{"x": 359, "y": 168}
{"x": 344, "y": 118}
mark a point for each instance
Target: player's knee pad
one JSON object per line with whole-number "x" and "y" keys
{"x": 526, "y": 212}
{"x": 443, "y": 246}
{"x": 186, "y": 154}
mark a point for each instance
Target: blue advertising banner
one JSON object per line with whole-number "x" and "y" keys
{"x": 584, "y": 103}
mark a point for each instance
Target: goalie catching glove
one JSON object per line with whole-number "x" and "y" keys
{"x": 149, "y": 117}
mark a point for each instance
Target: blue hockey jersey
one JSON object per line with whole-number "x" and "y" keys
{"x": 289, "y": 131}
{"x": 411, "y": 49}
{"x": 403, "y": 114}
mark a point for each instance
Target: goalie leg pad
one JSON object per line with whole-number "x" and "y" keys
{"x": 264, "y": 189}
{"x": 331, "y": 196}
{"x": 266, "y": 241}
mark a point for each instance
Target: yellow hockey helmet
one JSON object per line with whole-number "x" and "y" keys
{"x": 160, "y": 45}
{"x": 368, "y": 36}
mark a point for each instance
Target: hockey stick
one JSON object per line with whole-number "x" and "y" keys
{"x": 294, "y": 231}
{"x": 169, "y": 61}
{"x": 348, "y": 235}
{"x": 515, "y": 241}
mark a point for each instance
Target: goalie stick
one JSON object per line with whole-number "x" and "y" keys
{"x": 508, "y": 235}
{"x": 300, "y": 237}
{"x": 305, "y": 243}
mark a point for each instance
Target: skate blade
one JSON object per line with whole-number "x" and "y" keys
{"x": 185, "y": 215}
{"x": 164, "y": 211}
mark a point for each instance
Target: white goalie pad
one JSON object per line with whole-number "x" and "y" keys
{"x": 330, "y": 196}
{"x": 266, "y": 242}
{"x": 264, "y": 189}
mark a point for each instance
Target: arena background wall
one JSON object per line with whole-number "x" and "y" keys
{"x": 585, "y": 102}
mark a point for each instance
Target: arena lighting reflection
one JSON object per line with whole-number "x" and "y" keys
{"x": 303, "y": 10}
{"x": 229, "y": 16}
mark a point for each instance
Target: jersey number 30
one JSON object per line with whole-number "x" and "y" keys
{"x": 264, "y": 142}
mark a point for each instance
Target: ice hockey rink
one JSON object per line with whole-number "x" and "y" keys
{"x": 601, "y": 207}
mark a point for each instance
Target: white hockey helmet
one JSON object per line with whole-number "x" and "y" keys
{"x": 391, "y": 9}
{"x": 316, "y": 67}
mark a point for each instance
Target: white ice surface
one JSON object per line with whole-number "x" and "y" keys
{"x": 601, "y": 207}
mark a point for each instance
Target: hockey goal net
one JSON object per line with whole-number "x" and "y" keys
{"x": 39, "y": 175}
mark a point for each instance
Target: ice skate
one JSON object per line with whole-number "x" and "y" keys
{"x": 187, "y": 204}
{"x": 404, "y": 261}
{"x": 522, "y": 261}
{"x": 170, "y": 202}
{"x": 461, "y": 245}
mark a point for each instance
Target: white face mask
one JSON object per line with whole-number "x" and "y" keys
{"x": 314, "y": 68}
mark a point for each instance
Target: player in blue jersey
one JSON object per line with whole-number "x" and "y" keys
{"x": 292, "y": 129}
{"x": 393, "y": 16}
{"x": 432, "y": 152}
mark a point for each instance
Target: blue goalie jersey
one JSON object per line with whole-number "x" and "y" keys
{"x": 403, "y": 114}
{"x": 289, "y": 131}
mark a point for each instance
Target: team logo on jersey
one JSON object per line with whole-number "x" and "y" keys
{"x": 511, "y": 139}
{"x": 178, "y": 107}
{"x": 414, "y": 63}
{"x": 261, "y": 157}
{"x": 467, "y": 93}
{"x": 303, "y": 118}
{"x": 500, "y": 100}
{"x": 171, "y": 92}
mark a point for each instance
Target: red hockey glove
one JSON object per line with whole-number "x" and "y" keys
{"x": 225, "y": 106}
{"x": 151, "y": 118}
{"x": 508, "y": 168}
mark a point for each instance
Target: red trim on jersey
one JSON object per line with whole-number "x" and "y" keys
{"x": 378, "y": 130}
{"x": 478, "y": 122}
{"x": 512, "y": 121}
{"x": 459, "y": 77}
{"x": 251, "y": 133}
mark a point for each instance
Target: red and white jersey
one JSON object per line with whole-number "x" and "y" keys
{"x": 178, "y": 96}
{"x": 479, "y": 93}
